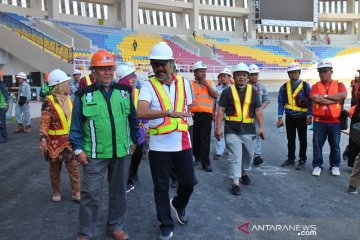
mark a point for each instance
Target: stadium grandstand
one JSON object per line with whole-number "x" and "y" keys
{"x": 38, "y": 35}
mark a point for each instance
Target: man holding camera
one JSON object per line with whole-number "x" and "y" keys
{"x": 294, "y": 99}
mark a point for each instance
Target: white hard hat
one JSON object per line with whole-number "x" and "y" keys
{"x": 124, "y": 70}
{"x": 324, "y": 63}
{"x": 130, "y": 64}
{"x": 356, "y": 74}
{"x": 76, "y": 72}
{"x": 151, "y": 74}
{"x": 254, "y": 69}
{"x": 199, "y": 65}
{"x": 241, "y": 67}
{"x": 21, "y": 75}
{"x": 225, "y": 71}
{"x": 56, "y": 77}
{"x": 293, "y": 67}
{"x": 161, "y": 51}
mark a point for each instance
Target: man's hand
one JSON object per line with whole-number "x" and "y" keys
{"x": 309, "y": 120}
{"x": 261, "y": 133}
{"x": 280, "y": 123}
{"x": 180, "y": 115}
{"x": 218, "y": 134}
{"x": 132, "y": 149}
{"x": 82, "y": 158}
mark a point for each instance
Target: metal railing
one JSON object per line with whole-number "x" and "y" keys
{"x": 45, "y": 42}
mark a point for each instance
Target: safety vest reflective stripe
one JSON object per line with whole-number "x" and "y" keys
{"x": 170, "y": 124}
{"x": 242, "y": 114}
{"x": 65, "y": 123}
{"x": 88, "y": 80}
{"x": 136, "y": 97}
{"x": 335, "y": 109}
{"x": 203, "y": 102}
{"x": 291, "y": 104}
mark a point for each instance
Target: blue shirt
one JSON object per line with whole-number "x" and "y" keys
{"x": 283, "y": 99}
{"x": 76, "y": 129}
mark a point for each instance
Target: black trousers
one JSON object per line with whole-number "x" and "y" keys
{"x": 201, "y": 137}
{"x": 135, "y": 162}
{"x": 160, "y": 166}
{"x": 299, "y": 125}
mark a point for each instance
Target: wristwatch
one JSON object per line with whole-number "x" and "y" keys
{"x": 78, "y": 151}
{"x": 169, "y": 112}
{"x": 325, "y": 96}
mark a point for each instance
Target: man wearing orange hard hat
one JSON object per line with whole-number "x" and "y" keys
{"x": 101, "y": 116}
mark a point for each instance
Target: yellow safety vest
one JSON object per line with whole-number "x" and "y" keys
{"x": 170, "y": 124}
{"x": 291, "y": 103}
{"x": 65, "y": 123}
{"x": 242, "y": 114}
{"x": 136, "y": 97}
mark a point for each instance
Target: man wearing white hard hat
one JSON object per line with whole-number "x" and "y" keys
{"x": 224, "y": 78}
{"x": 74, "y": 83}
{"x": 240, "y": 104}
{"x": 328, "y": 96}
{"x": 22, "y": 104}
{"x": 294, "y": 100}
{"x": 354, "y": 88}
{"x": 54, "y": 143}
{"x": 265, "y": 100}
{"x": 164, "y": 100}
{"x": 202, "y": 108}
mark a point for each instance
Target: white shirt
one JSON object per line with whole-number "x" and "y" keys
{"x": 174, "y": 141}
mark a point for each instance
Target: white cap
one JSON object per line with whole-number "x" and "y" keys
{"x": 324, "y": 63}
{"x": 124, "y": 70}
{"x": 356, "y": 74}
{"x": 161, "y": 51}
{"x": 76, "y": 72}
{"x": 21, "y": 75}
{"x": 151, "y": 74}
{"x": 56, "y": 77}
{"x": 225, "y": 71}
{"x": 293, "y": 67}
{"x": 241, "y": 67}
{"x": 199, "y": 65}
{"x": 254, "y": 69}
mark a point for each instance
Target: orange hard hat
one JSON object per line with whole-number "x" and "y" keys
{"x": 1, "y": 74}
{"x": 46, "y": 76}
{"x": 102, "y": 58}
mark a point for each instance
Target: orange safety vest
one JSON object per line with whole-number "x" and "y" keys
{"x": 170, "y": 124}
{"x": 88, "y": 80}
{"x": 335, "y": 109}
{"x": 65, "y": 122}
{"x": 203, "y": 102}
{"x": 291, "y": 103}
{"x": 242, "y": 114}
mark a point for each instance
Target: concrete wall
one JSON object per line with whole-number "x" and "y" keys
{"x": 80, "y": 42}
{"x": 49, "y": 30}
{"x": 16, "y": 66}
{"x": 205, "y": 51}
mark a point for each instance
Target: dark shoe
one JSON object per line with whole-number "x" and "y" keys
{"x": 235, "y": 189}
{"x": 180, "y": 214}
{"x": 217, "y": 157}
{"x": 27, "y": 129}
{"x": 246, "y": 180}
{"x": 19, "y": 129}
{"x": 257, "y": 161}
{"x": 118, "y": 234}
{"x": 301, "y": 165}
{"x": 352, "y": 190}
{"x": 166, "y": 236}
{"x": 129, "y": 187}
{"x": 207, "y": 168}
{"x": 174, "y": 184}
{"x": 288, "y": 163}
